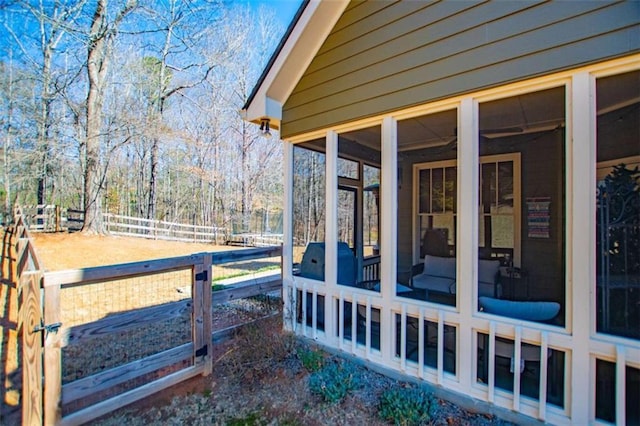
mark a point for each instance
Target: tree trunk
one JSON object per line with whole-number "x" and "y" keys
{"x": 97, "y": 63}
{"x": 153, "y": 178}
{"x": 98, "y": 58}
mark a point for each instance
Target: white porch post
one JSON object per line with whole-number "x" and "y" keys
{"x": 287, "y": 233}
{"x": 331, "y": 230}
{"x": 467, "y": 235}
{"x": 388, "y": 231}
{"x": 581, "y": 214}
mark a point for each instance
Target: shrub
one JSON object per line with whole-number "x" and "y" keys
{"x": 406, "y": 406}
{"x": 312, "y": 360}
{"x": 334, "y": 381}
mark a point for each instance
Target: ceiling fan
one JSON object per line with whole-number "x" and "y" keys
{"x": 484, "y": 134}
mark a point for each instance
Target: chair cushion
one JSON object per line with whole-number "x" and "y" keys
{"x": 530, "y": 311}
{"x": 488, "y": 270}
{"x": 440, "y": 266}
{"x": 430, "y": 282}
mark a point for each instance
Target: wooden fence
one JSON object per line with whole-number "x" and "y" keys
{"x": 161, "y": 230}
{"x": 28, "y": 275}
{"x": 51, "y": 218}
{"x": 116, "y": 334}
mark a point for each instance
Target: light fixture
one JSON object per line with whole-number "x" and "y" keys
{"x": 264, "y": 127}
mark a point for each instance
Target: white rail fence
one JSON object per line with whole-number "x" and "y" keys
{"x": 52, "y": 218}
{"x": 161, "y": 230}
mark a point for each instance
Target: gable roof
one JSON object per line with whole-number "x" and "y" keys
{"x": 312, "y": 23}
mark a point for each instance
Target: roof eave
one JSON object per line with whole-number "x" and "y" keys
{"x": 310, "y": 27}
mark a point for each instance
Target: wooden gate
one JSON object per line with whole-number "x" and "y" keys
{"x": 32, "y": 347}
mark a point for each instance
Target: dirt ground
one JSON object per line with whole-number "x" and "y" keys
{"x": 70, "y": 251}
{"x": 258, "y": 376}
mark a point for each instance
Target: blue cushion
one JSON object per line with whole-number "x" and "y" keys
{"x": 530, "y": 311}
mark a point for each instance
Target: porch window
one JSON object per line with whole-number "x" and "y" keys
{"x": 618, "y": 205}
{"x": 498, "y": 195}
{"x": 437, "y": 207}
{"x": 437, "y": 211}
{"x": 370, "y": 210}
{"x": 498, "y": 224}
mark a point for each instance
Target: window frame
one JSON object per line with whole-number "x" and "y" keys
{"x": 513, "y": 157}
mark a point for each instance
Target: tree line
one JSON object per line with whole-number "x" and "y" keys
{"x": 133, "y": 107}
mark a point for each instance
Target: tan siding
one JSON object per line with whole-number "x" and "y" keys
{"x": 359, "y": 10}
{"x": 375, "y": 42}
{"x": 407, "y": 53}
{"x": 347, "y": 108}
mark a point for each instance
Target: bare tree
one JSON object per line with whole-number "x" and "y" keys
{"x": 101, "y": 38}
{"x": 54, "y": 22}
{"x": 254, "y": 154}
{"x": 179, "y": 67}
{"x": 153, "y": 126}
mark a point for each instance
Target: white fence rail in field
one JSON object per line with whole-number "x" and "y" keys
{"x": 52, "y": 218}
{"x": 161, "y": 230}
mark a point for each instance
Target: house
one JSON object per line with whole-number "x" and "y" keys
{"x": 462, "y": 197}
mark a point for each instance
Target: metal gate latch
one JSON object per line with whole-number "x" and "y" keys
{"x": 50, "y": 328}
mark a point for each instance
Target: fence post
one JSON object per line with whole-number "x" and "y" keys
{"x": 52, "y": 357}
{"x": 202, "y": 303}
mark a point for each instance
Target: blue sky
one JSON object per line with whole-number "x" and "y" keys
{"x": 285, "y": 9}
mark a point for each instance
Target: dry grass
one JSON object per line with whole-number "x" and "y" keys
{"x": 259, "y": 378}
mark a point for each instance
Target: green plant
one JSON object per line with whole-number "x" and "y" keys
{"x": 244, "y": 273}
{"x": 406, "y": 406}
{"x": 252, "y": 419}
{"x": 312, "y": 360}
{"x": 334, "y": 381}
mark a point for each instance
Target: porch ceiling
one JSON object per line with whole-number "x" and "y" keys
{"x": 526, "y": 113}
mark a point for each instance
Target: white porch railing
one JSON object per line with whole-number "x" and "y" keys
{"x": 366, "y": 328}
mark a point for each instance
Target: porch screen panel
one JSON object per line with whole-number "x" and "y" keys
{"x": 522, "y": 181}
{"x": 359, "y": 208}
{"x": 309, "y": 207}
{"x": 529, "y": 369}
{"x": 606, "y": 392}
{"x": 370, "y": 208}
{"x": 428, "y": 145}
{"x": 618, "y": 205}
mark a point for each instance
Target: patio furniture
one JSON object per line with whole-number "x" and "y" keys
{"x": 312, "y": 265}
{"x": 439, "y": 275}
